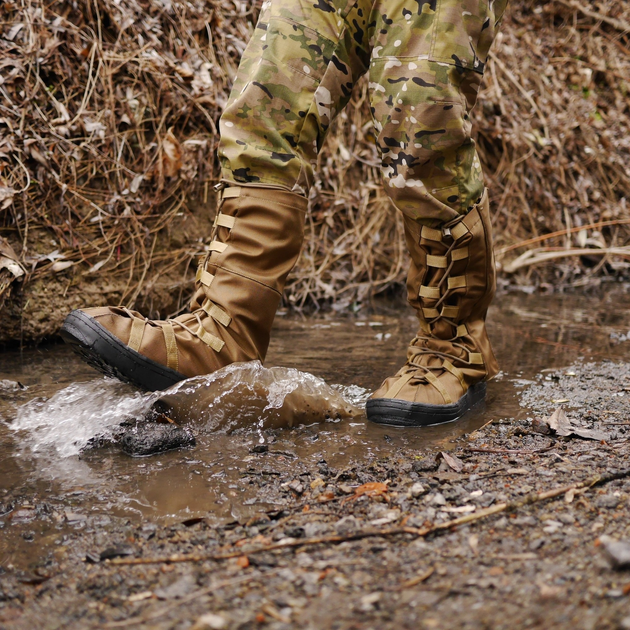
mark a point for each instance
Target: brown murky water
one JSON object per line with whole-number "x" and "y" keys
{"x": 66, "y": 402}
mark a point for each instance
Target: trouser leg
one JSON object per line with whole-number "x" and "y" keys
{"x": 295, "y": 76}
{"x": 426, "y": 66}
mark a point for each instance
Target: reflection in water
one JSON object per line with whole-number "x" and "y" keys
{"x": 43, "y": 427}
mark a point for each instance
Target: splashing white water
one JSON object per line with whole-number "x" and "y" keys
{"x": 66, "y": 422}
{"x": 239, "y": 396}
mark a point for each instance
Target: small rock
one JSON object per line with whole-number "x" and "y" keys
{"x": 524, "y": 520}
{"x": 426, "y": 464}
{"x": 296, "y": 486}
{"x": 177, "y": 589}
{"x": 294, "y": 532}
{"x": 417, "y": 489}
{"x": 536, "y": 544}
{"x": 624, "y": 624}
{"x": 438, "y": 499}
{"x": 566, "y": 518}
{"x": 502, "y": 523}
{"x": 119, "y": 551}
{"x": 368, "y": 601}
{"x": 150, "y": 439}
{"x": 607, "y": 501}
{"x": 617, "y": 552}
{"x": 210, "y": 621}
{"x": 551, "y": 526}
{"x": 347, "y": 525}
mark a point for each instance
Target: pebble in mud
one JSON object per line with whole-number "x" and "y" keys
{"x": 150, "y": 439}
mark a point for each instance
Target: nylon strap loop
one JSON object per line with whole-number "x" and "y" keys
{"x": 457, "y": 282}
{"x": 430, "y": 313}
{"x": 136, "y": 334}
{"x": 450, "y": 311}
{"x": 429, "y": 292}
{"x": 432, "y": 378}
{"x": 225, "y": 220}
{"x": 217, "y": 246}
{"x": 217, "y": 313}
{"x": 462, "y": 331}
{"x": 455, "y": 372}
{"x": 430, "y": 234}
{"x": 475, "y": 358}
{"x": 231, "y": 192}
{"x": 437, "y": 261}
{"x": 209, "y": 339}
{"x": 459, "y": 230}
{"x": 459, "y": 254}
{"x": 172, "y": 361}
{"x": 203, "y": 276}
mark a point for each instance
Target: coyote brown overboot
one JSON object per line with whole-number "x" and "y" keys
{"x": 451, "y": 283}
{"x": 257, "y": 239}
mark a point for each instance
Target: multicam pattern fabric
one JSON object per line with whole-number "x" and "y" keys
{"x": 425, "y": 60}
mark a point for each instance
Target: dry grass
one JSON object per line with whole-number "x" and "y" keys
{"x": 108, "y": 112}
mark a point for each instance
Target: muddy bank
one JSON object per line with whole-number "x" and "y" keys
{"x": 357, "y": 546}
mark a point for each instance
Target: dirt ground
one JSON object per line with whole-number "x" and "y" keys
{"x": 373, "y": 545}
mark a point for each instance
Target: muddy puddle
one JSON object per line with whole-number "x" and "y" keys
{"x": 61, "y": 468}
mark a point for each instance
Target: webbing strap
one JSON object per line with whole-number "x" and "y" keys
{"x": 437, "y": 261}
{"x": 218, "y": 246}
{"x": 455, "y": 372}
{"x": 209, "y": 339}
{"x": 203, "y": 276}
{"x": 462, "y": 331}
{"x": 475, "y": 358}
{"x": 430, "y": 234}
{"x": 172, "y": 360}
{"x": 429, "y": 292}
{"x": 459, "y": 230}
{"x": 392, "y": 392}
{"x": 231, "y": 191}
{"x": 136, "y": 334}
{"x": 459, "y": 254}
{"x": 433, "y": 379}
{"x": 225, "y": 220}
{"x": 430, "y": 313}
{"x": 217, "y": 313}
{"x": 457, "y": 282}
{"x": 450, "y": 311}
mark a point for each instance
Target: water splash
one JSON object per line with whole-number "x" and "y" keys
{"x": 66, "y": 422}
{"x": 248, "y": 395}
{"x": 244, "y": 396}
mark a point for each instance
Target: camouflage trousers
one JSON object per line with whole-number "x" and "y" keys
{"x": 425, "y": 60}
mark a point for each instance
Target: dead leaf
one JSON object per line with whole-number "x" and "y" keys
{"x": 61, "y": 265}
{"x": 559, "y": 423}
{"x": 6, "y": 196}
{"x": 454, "y": 462}
{"x": 171, "y": 154}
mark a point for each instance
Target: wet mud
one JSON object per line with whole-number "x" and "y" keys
{"x": 496, "y": 521}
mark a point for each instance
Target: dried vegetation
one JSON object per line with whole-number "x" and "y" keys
{"x": 108, "y": 112}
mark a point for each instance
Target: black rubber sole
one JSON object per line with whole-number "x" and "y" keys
{"x": 106, "y": 353}
{"x": 401, "y": 413}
